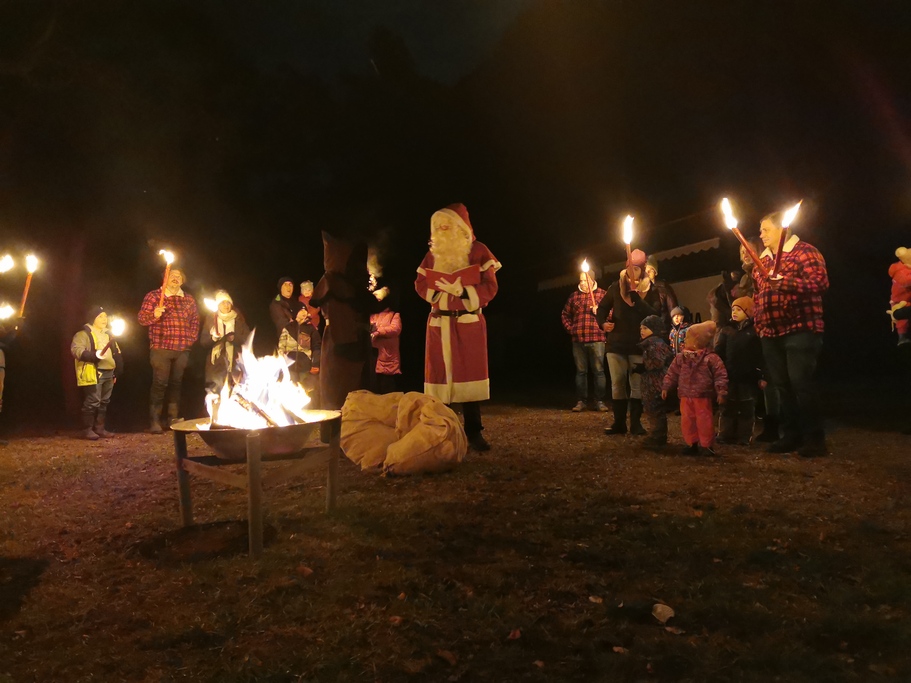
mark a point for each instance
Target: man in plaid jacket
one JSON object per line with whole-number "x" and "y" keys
{"x": 789, "y": 322}
{"x": 173, "y": 329}
{"x": 579, "y": 321}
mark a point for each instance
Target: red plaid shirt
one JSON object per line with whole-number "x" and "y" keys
{"x": 178, "y": 327}
{"x": 578, "y": 318}
{"x": 796, "y": 306}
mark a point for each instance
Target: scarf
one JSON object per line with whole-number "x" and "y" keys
{"x": 224, "y": 325}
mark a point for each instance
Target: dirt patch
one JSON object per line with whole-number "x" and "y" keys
{"x": 541, "y": 560}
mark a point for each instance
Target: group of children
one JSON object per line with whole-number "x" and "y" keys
{"x": 701, "y": 370}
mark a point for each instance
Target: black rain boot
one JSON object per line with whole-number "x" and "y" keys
{"x": 635, "y": 417}
{"x": 88, "y": 420}
{"x": 727, "y": 429}
{"x": 769, "y": 432}
{"x": 619, "y": 426}
{"x": 155, "y": 419}
{"x": 98, "y": 427}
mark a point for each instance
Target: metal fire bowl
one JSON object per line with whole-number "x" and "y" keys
{"x": 231, "y": 444}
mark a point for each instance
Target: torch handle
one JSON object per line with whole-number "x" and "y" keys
{"x": 776, "y": 269}
{"x": 164, "y": 283}
{"x": 752, "y": 252}
{"x": 588, "y": 278}
{"x": 28, "y": 282}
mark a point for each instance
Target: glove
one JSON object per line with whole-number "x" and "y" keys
{"x": 314, "y": 370}
{"x": 454, "y": 288}
{"x": 88, "y": 356}
{"x": 638, "y": 369}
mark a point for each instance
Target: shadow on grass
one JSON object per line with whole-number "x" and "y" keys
{"x": 18, "y": 575}
{"x": 200, "y": 542}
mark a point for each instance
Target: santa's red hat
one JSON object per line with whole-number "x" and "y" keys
{"x": 457, "y": 215}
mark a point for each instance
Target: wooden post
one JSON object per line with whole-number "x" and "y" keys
{"x": 183, "y": 478}
{"x": 335, "y": 432}
{"x": 254, "y": 495}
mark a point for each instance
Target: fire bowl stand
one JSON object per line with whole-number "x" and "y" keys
{"x": 254, "y": 479}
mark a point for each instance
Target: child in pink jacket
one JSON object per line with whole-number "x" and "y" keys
{"x": 385, "y": 328}
{"x": 699, "y": 376}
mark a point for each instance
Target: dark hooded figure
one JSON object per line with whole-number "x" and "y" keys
{"x": 345, "y": 302}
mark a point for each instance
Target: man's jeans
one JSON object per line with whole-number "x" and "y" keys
{"x": 589, "y": 355}
{"x": 621, "y": 377}
{"x": 791, "y": 363}
{"x": 167, "y": 371}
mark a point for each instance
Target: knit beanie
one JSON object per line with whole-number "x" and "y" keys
{"x": 652, "y": 262}
{"x": 637, "y": 258}
{"x": 700, "y": 335}
{"x": 93, "y": 312}
{"x": 282, "y": 281}
{"x": 654, "y": 323}
{"x": 678, "y": 311}
{"x": 222, "y": 295}
{"x": 745, "y": 304}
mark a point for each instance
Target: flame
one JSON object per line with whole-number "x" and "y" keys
{"x": 790, "y": 215}
{"x": 585, "y": 268}
{"x": 265, "y": 397}
{"x": 118, "y": 326}
{"x": 6, "y": 312}
{"x": 168, "y": 256}
{"x": 6, "y": 263}
{"x": 210, "y": 304}
{"x": 729, "y": 220}
{"x": 31, "y": 263}
{"x": 628, "y": 229}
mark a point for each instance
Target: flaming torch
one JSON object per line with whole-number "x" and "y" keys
{"x": 31, "y": 265}
{"x": 6, "y": 263}
{"x": 786, "y": 221}
{"x": 731, "y": 222}
{"x": 628, "y": 238}
{"x": 588, "y": 279}
{"x": 168, "y": 259}
{"x": 6, "y": 312}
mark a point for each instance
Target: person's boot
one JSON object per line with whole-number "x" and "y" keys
{"x": 619, "y": 426}
{"x": 172, "y": 414}
{"x": 98, "y": 427}
{"x": 769, "y": 433}
{"x": 88, "y": 421}
{"x": 635, "y": 417}
{"x": 478, "y": 442}
{"x": 786, "y": 444}
{"x": 744, "y": 431}
{"x": 155, "y": 419}
{"x": 727, "y": 430}
{"x": 814, "y": 446}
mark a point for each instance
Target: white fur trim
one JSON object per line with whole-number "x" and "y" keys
{"x": 473, "y": 300}
{"x": 462, "y": 392}
{"x": 492, "y": 263}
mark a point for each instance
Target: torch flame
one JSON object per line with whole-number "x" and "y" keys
{"x": 585, "y": 268}
{"x": 729, "y": 220}
{"x": 210, "y": 304}
{"x": 118, "y": 326}
{"x": 6, "y": 263}
{"x": 628, "y": 229}
{"x": 6, "y": 312}
{"x": 31, "y": 263}
{"x": 168, "y": 256}
{"x": 790, "y": 215}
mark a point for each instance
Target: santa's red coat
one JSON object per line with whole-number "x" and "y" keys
{"x": 455, "y": 357}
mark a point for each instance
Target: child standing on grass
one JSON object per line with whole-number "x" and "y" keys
{"x": 699, "y": 376}
{"x": 656, "y": 357}
{"x": 741, "y": 351}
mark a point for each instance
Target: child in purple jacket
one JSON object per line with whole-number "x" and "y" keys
{"x": 698, "y": 374}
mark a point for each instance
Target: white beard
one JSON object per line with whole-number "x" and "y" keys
{"x": 450, "y": 249}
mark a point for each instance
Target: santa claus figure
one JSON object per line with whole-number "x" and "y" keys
{"x": 458, "y": 279}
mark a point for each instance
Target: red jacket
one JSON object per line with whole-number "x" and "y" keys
{"x": 385, "y": 338}
{"x": 697, "y": 374}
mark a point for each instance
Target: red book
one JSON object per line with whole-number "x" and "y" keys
{"x": 470, "y": 276}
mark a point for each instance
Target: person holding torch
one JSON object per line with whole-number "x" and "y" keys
{"x": 790, "y": 283}
{"x": 223, "y": 333}
{"x": 173, "y": 321}
{"x": 98, "y": 362}
{"x": 579, "y": 321}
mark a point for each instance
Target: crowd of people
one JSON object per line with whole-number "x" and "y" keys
{"x": 755, "y": 359}
{"x": 338, "y": 336}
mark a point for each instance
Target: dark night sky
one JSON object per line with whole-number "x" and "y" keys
{"x": 234, "y": 133}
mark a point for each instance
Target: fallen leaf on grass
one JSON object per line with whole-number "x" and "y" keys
{"x": 395, "y": 621}
{"x": 286, "y": 582}
{"x": 415, "y": 666}
{"x": 303, "y": 570}
{"x": 619, "y": 650}
{"x": 449, "y": 658}
{"x": 697, "y": 513}
{"x": 673, "y": 629}
{"x": 662, "y": 612}
{"x": 539, "y": 664}
{"x": 595, "y": 599}
{"x": 515, "y": 634}
{"x": 401, "y": 596}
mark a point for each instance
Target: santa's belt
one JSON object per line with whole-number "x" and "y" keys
{"x": 453, "y": 314}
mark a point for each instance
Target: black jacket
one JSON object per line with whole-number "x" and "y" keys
{"x": 740, "y": 349}
{"x": 624, "y": 339}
